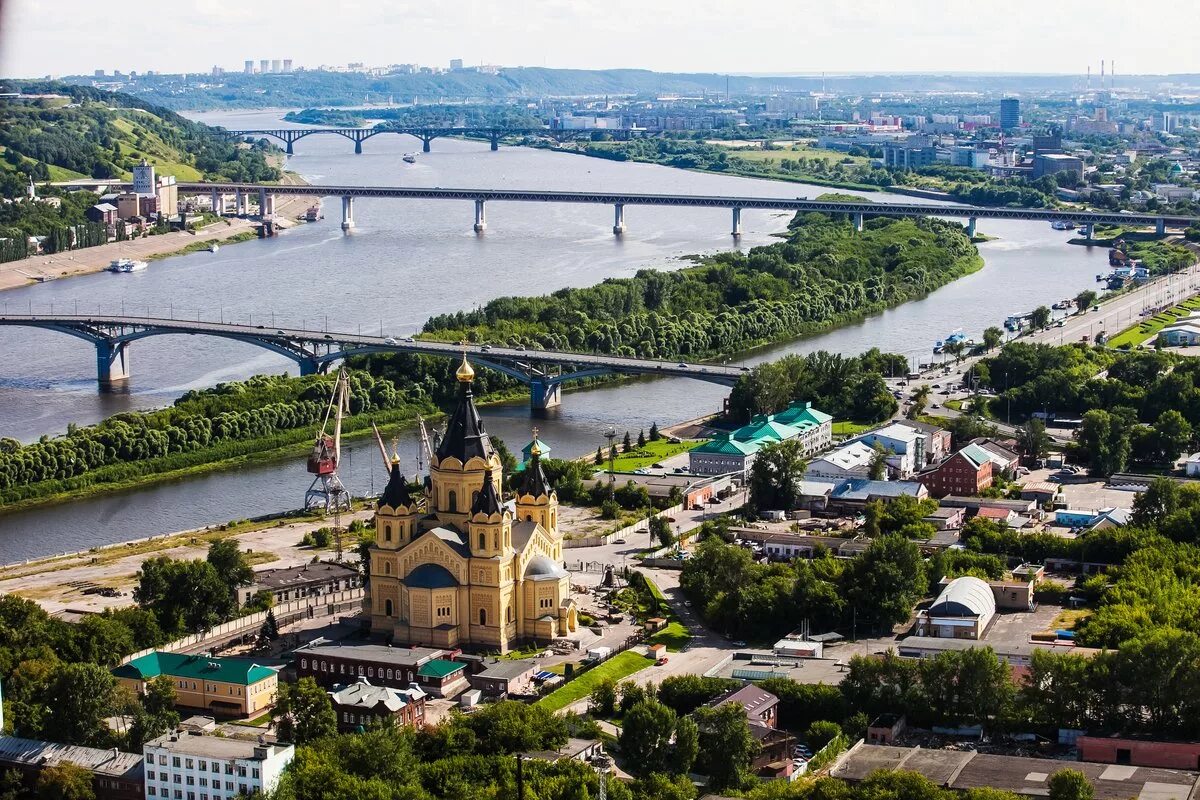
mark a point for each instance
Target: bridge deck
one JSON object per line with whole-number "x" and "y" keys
{"x": 683, "y": 200}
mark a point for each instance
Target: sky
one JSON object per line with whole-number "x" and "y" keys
{"x": 57, "y": 37}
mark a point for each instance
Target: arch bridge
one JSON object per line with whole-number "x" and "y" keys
{"x": 289, "y": 136}
{"x": 544, "y": 371}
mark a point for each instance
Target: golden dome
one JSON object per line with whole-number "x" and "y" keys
{"x": 534, "y": 450}
{"x": 465, "y": 374}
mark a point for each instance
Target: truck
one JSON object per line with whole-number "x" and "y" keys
{"x": 598, "y": 653}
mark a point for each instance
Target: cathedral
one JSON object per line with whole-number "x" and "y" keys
{"x": 464, "y": 568}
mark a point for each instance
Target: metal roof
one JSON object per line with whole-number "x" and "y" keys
{"x": 967, "y": 596}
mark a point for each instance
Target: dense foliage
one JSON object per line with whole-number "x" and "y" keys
{"x": 825, "y": 273}
{"x": 847, "y": 387}
{"x": 201, "y": 426}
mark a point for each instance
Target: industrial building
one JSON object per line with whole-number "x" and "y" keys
{"x": 963, "y": 610}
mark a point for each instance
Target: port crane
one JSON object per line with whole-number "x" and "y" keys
{"x": 327, "y": 491}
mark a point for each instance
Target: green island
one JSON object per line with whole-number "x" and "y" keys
{"x": 824, "y": 274}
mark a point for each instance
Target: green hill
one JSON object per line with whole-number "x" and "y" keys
{"x": 92, "y": 133}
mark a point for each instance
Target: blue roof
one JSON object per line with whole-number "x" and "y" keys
{"x": 863, "y": 489}
{"x": 430, "y": 576}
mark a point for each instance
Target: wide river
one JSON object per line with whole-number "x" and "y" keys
{"x": 407, "y": 260}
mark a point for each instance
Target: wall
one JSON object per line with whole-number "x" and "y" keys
{"x": 1142, "y": 753}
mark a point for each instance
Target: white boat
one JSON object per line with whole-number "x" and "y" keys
{"x": 1062, "y": 225}
{"x": 214, "y": 247}
{"x": 409, "y": 158}
{"x": 127, "y": 265}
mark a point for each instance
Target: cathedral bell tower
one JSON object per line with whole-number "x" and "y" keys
{"x": 490, "y": 526}
{"x": 396, "y": 514}
{"x": 463, "y": 457}
{"x": 536, "y": 499}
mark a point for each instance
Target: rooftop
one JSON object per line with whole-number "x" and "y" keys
{"x": 194, "y": 744}
{"x": 753, "y": 699}
{"x": 967, "y": 596}
{"x": 242, "y": 671}
{"x": 440, "y": 668}
{"x": 850, "y": 456}
{"x": 113, "y": 763}
{"x": 361, "y": 693}
{"x": 378, "y": 653}
{"x": 507, "y": 670}
{"x": 288, "y": 577}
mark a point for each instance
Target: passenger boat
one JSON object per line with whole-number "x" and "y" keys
{"x": 409, "y": 158}
{"x": 1062, "y": 225}
{"x": 127, "y": 265}
{"x": 313, "y": 214}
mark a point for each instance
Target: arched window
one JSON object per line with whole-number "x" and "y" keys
{"x": 452, "y": 500}
{"x": 529, "y": 517}
{"x": 474, "y": 497}
{"x": 510, "y": 614}
{"x": 496, "y": 540}
{"x": 387, "y": 607}
{"x": 387, "y": 568}
{"x": 553, "y": 519}
{"x": 483, "y": 616}
{"x": 387, "y": 533}
{"x": 483, "y": 541}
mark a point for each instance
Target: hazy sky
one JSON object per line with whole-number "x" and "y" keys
{"x": 42, "y": 37}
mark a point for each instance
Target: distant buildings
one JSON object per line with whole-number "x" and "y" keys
{"x": 912, "y": 153}
{"x": 115, "y": 775}
{"x": 456, "y": 64}
{"x": 248, "y": 68}
{"x": 1010, "y": 113}
{"x": 967, "y": 472}
{"x": 1052, "y": 163}
{"x": 307, "y": 580}
{"x": 361, "y": 703}
{"x": 395, "y": 667}
{"x": 735, "y": 452}
{"x": 212, "y": 766}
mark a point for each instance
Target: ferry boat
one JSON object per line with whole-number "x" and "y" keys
{"x": 1062, "y": 225}
{"x": 409, "y": 158}
{"x": 1063, "y": 305}
{"x": 127, "y": 265}
{"x": 313, "y": 214}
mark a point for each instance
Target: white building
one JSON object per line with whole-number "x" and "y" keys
{"x": 1193, "y": 465}
{"x": 849, "y": 461}
{"x": 962, "y": 611}
{"x": 904, "y": 445}
{"x": 190, "y": 766}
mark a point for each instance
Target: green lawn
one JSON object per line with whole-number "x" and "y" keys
{"x": 652, "y": 453}
{"x": 830, "y": 157}
{"x": 845, "y": 427}
{"x": 676, "y": 634}
{"x": 618, "y": 667}
{"x": 1149, "y": 327}
{"x": 259, "y": 722}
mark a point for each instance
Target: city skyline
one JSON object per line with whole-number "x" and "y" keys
{"x": 42, "y": 38}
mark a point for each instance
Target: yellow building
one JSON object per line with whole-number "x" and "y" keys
{"x": 225, "y": 687}
{"x": 466, "y": 571}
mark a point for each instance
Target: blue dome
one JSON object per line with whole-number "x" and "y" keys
{"x": 430, "y": 576}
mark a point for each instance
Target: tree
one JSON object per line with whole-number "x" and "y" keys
{"x": 303, "y": 712}
{"x": 1039, "y": 318}
{"x": 230, "y": 563}
{"x": 646, "y": 736}
{"x": 992, "y": 337}
{"x": 65, "y": 781}
{"x": 920, "y": 398}
{"x": 184, "y": 595}
{"x": 269, "y": 631}
{"x": 821, "y": 733}
{"x": 80, "y": 697}
{"x": 1160, "y": 500}
{"x": 775, "y": 475}
{"x": 970, "y": 687}
{"x": 1032, "y": 439}
{"x": 654, "y": 435}
{"x": 599, "y": 457}
{"x": 1104, "y": 441}
{"x": 641, "y": 439}
{"x": 877, "y": 471}
{"x": 687, "y": 746}
{"x": 727, "y": 746}
{"x": 1070, "y": 784}
{"x": 1084, "y": 300}
{"x": 155, "y": 712}
{"x": 660, "y": 529}
{"x": 887, "y": 580}
{"x": 603, "y": 700}
{"x": 626, "y": 444}
{"x": 633, "y": 693}
{"x": 1172, "y": 434}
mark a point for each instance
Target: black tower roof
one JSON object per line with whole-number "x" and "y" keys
{"x": 487, "y": 501}
{"x": 396, "y": 493}
{"x": 533, "y": 479}
{"x": 465, "y": 436}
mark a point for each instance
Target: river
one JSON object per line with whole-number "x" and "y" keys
{"x": 407, "y": 260}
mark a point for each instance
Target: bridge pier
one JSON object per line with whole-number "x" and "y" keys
{"x": 271, "y": 205}
{"x": 544, "y": 396}
{"x": 358, "y": 147}
{"x": 971, "y": 227}
{"x": 112, "y": 363}
{"x": 737, "y": 223}
{"x": 425, "y": 140}
{"x": 1087, "y": 231}
{"x": 1160, "y": 227}
{"x": 289, "y": 142}
{"x": 262, "y": 203}
{"x": 310, "y": 366}
{"x": 495, "y": 138}
{"x": 858, "y": 221}
{"x": 480, "y": 217}
{"x": 619, "y": 219}
{"x": 347, "y": 213}
{"x": 218, "y": 203}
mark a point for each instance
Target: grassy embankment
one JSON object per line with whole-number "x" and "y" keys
{"x": 652, "y": 453}
{"x": 1148, "y": 328}
{"x": 617, "y": 668}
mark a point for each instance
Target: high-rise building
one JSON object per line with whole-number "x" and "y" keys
{"x": 456, "y": 63}
{"x": 249, "y": 66}
{"x": 144, "y": 182}
{"x": 217, "y": 71}
{"x": 287, "y": 65}
{"x": 276, "y": 65}
{"x": 264, "y": 66}
{"x": 1010, "y": 113}
{"x": 99, "y": 73}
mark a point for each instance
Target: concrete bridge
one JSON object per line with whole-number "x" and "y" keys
{"x": 544, "y": 371}
{"x": 289, "y": 136}
{"x": 858, "y": 211}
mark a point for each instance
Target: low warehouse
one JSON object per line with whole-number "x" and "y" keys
{"x": 963, "y": 610}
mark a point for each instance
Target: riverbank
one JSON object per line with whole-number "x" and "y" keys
{"x": 90, "y": 260}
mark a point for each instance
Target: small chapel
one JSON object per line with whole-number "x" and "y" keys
{"x": 460, "y": 566}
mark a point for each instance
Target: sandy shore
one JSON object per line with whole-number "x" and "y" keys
{"x": 96, "y": 259}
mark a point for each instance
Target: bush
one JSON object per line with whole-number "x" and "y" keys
{"x": 821, "y": 733}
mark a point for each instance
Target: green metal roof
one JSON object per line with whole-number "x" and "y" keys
{"x": 727, "y": 447}
{"x": 440, "y": 668}
{"x": 761, "y": 429}
{"x": 241, "y": 671}
{"x": 799, "y": 413}
{"x": 976, "y": 455}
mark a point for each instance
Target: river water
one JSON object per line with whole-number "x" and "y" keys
{"x": 407, "y": 260}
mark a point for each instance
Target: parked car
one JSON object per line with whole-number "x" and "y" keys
{"x": 619, "y": 541}
{"x": 389, "y": 340}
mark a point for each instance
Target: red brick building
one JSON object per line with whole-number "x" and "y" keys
{"x": 1139, "y": 752}
{"x": 967, "y": 472}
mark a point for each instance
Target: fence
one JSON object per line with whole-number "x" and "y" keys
{"x": 641, "y": 526}
{"x": 285, "y": 613}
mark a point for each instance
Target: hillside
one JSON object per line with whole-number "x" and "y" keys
{"x": 308, "y": 88}
{"x": 103, "y": 135}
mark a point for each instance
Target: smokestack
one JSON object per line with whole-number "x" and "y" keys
{"x": 1089, "y": 78}
{"x": 1102, "y": 73}
{"x": 1112, "y": 73}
